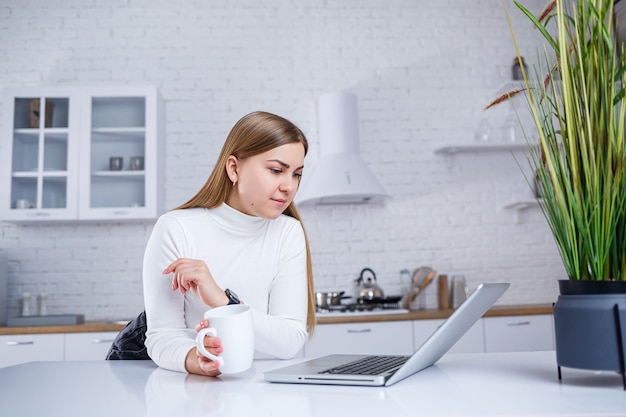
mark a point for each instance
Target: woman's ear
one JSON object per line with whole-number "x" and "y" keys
{"x": 232, "y": 165}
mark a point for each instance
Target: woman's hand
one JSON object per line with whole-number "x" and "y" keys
{"x": 194, "y": 275}
{"x": 196, "y": 363}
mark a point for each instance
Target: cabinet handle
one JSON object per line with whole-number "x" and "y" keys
{"x": 39, "y": 214}
{"x": 121, "y": 212}
{"x": 359, "y": 331}
{"x": 518, "y": 323}
{"x": 30, "y": 342}
{"x": 98, "y": 341}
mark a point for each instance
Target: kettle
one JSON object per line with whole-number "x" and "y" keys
{"x": 366, "y": 289}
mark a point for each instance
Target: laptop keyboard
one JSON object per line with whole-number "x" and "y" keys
{"x": 369, "y": 365}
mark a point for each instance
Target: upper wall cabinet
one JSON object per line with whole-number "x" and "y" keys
{"x": 89, "y": 153}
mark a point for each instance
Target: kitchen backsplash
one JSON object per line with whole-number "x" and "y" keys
{"x": 422, "y": 72}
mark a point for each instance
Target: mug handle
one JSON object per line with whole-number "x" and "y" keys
{"x": 200, "y": 345}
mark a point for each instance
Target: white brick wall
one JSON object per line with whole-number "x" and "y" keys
{"x": 423, "y": 71}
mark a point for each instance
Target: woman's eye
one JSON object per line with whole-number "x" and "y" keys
{"x": 298, "y": 175}
{"x": 275, "y": 170}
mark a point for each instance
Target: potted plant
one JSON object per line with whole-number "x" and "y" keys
{"x": 575, "y": 93}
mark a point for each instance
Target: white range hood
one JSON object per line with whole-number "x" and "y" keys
{"x": 339, "y": 176}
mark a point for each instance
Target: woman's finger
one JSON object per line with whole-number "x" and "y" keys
{"x": 176, "y": 264}
{"x": 202, "y": 324}
{"x": 213, "y": 345}
{"x": 208, "y": 366}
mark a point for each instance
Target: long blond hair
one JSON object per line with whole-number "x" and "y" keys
{"x": 253, "y": 134}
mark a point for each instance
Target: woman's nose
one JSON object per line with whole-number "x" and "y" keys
{"x": 289, "y": 185}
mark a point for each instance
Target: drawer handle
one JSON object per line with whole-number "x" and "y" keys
{"x": 20, "y": 343}
{"x": 359, "y": 331}
{"x": 39, "y": 214}
{"x": 519, "y": 323}
{"x": 98, "y": 341}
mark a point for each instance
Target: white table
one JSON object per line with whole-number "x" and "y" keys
{"x": 484, "y": 384}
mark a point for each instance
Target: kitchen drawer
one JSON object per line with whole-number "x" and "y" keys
{"x": 472, "y": 342}
{"x": 15, "y": 349}
{"x": 394, "y": 338}
{"x": 519, "y": 333}
{"x": 88, "y": 346}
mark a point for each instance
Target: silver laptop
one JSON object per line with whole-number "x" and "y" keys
{"x": 385, "y": 370}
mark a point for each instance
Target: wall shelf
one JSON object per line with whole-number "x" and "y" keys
{"x": 449, "y": 151}
{"x": 520, "y": 206}
{"x": 495, "y": 147}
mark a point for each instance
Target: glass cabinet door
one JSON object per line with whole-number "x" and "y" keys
{"x": 41, "y": 184}
{"x": 117, "y": 158}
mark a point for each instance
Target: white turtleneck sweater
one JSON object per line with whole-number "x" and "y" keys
{"x": 262, "y": 261}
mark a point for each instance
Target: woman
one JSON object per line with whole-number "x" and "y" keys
{"x": 239, "y": 239}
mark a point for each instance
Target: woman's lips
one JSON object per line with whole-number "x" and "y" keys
{"x": 280, "y": 202}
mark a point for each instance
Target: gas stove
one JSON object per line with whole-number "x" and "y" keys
{"x": 357, "y": 308}
{"x": 328, "y": 313}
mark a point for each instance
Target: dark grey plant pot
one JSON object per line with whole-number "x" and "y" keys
{"x": 590, "y": 326}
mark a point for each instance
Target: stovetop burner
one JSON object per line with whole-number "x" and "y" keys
{"x": 362, "y": 308}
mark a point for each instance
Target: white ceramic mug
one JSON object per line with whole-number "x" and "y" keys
{"x": 232, "y": 324}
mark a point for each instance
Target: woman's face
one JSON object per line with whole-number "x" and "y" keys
{"x": 266, "y": 183}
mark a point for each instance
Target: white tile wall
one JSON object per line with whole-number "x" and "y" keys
{"x": 422, "y": 70}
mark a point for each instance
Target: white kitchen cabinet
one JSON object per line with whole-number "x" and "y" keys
{"x": 471, "y": 342}
{"x": 392, "y": 337}
{"x": 519, "y": 333}
{"x": 57, "y": 166}
{"x": 88, "y": 346}
{"x": 22, "y": 348}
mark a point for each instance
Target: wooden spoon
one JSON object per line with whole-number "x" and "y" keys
{"x": 419, "y": 276}
{"x": 425, "y": 282}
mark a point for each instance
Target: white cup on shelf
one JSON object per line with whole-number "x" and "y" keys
{"x": 23, "y": 204}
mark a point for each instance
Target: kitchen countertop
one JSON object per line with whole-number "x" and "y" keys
{"x": 484, "y": 384}
{"x": 87, "y": 327}
{"x": 511, "y": 310}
